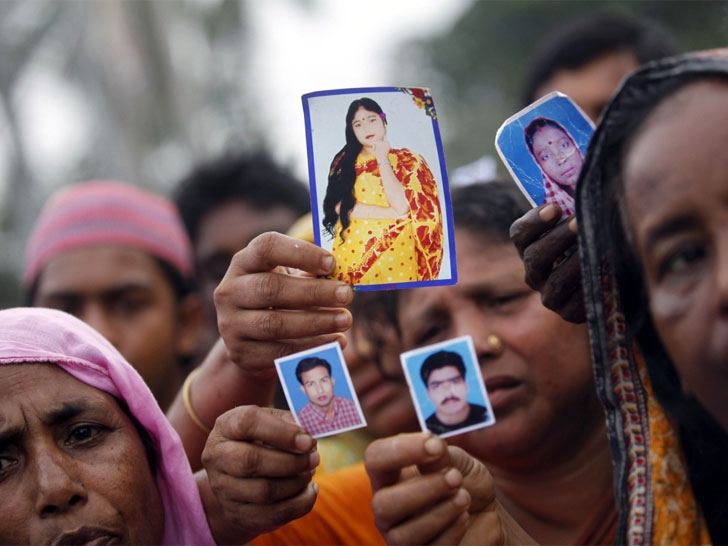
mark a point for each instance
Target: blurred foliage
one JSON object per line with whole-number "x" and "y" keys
{"x": 477, "y": 69}
{"x": 146, "y": 89}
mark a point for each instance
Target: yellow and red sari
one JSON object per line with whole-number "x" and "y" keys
{"x": 392, "y": 250}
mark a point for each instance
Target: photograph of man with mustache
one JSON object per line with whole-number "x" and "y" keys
{"x": 443, "y": 374}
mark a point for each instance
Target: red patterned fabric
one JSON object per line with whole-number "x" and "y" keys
{"x": 424, "y": 222}
{"x": 553, "y": 193}
{"x": 346, "y": 416}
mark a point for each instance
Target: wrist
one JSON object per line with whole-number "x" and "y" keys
{"x": 384, "y": 161}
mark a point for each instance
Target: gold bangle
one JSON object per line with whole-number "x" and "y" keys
{"x": 186, "y": 388}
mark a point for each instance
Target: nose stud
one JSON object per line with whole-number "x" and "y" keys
{"x": 495, "y": 343}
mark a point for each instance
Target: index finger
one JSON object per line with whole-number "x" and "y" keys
{"x": 270, "y": 250}
{"x": 532, "y": 225}
{"x": 265, "y": 425}
{"x": 386, "y": 457}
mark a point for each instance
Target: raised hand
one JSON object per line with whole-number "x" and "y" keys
{"x": 550, "y": 253}
{"x": 258, "y": 468}
{"x": 271, "y": 303}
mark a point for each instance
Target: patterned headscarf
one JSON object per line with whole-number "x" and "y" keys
{"x": 103, "y": 212}
{"x": 44, "y": 335}
{"x": 654, "y": 486}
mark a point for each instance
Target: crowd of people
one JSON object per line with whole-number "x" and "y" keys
{"x": 139, "y": 393}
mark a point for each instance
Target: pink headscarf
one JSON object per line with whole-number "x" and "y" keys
{"x": 46, "y": 335}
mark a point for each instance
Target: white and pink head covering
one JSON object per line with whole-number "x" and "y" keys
{"x": 46, "y": 335}
{"x": 104, "y": 212}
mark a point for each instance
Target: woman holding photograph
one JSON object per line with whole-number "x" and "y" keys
{"x": 559, "y": 158}
{"x": 381, "y": 206}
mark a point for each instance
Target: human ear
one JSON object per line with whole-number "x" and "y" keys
{"x": 189, "y": 315}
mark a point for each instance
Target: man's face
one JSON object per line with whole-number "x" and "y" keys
{"x": 73, "y": 468}
{"x": 592, "y": 85}
{"x": 318, "y": 386}
{"x": 125, "y": 295}
{"x": 222, "y": 232}
{"x": 447, "y": 389}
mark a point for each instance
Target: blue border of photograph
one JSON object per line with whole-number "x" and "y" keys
{"x": 449, "y": 251}
{"x": 511, "y": 145}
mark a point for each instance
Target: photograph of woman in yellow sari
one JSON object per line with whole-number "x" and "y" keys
{"x": 382, "y": 206}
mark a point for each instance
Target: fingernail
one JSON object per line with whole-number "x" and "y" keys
{"x": 313, "y": 460}
{"x": 453, "y": 478}
{"x": 327, "y": 263}
{"x": 433, "y": 446}
{"x": 343, "y": 293}
{"x": 547, "y": 213}
{"x": 573, "y": 228}
{"x": 343, "y": 320}
{"x": 303, "y": 442}
{"x": 461, "y": 498}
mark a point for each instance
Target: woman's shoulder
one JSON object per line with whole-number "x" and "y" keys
{"x": 405, "y": 153}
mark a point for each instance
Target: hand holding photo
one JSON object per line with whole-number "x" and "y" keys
{"x": 447, "y": 387}
{"x": 543, "y": 147}
{"x": 319, "y": 392}
{"x": 379, "y": 191}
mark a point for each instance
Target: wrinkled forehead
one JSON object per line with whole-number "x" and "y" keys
{"x": 51, "y": 391}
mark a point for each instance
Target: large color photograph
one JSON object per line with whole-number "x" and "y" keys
{"x": 379, "y": 188}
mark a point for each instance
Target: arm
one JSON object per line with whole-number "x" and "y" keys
{"x": 428, "y": 493}
{"x": 257, "y": 477}
{"x": 265, "y": 311}
{"x": 361, "y": 210}
{"x": 549, "y": 250}
{"x": 393, "y": 188}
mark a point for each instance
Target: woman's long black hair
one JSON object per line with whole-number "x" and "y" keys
{"x": 342, "y": 173}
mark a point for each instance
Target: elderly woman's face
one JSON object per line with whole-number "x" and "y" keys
{"x": 368, "y": 127}
{"x": 676, "y": 191}
{"x": 73, "y": 468}
{"x": 557, "y": 155}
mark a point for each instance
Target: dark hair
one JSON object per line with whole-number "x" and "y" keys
{"x": 441, "y": 359}
{"x": 703, "y": 440}
{"x": 488, "y": 209}
{"x": 485, "y": 209}
{"x": 583, "y": 39}
{"x": 150, "y": 449}
{"x": 254, "y": 178}
{"x": 342, "y": 173}
{"x": 539, "y": 123}
{"x": 310, "y": 363}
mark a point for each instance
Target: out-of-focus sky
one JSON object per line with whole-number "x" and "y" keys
{"x": 329, "y": 45}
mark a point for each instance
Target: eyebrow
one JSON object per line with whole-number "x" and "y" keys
{"x": 114, "y": 292}
{"x": 666, "y": 229}
{"x": 66, "y": 412}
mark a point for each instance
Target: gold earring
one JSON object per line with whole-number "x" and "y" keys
{"x": 494, "y": 342}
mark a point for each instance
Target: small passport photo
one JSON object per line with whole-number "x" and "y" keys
{"x": 319, "y": 391}
{"x": 380, "y": 199}
{"x": 543, "y": 148}
{"x": 447, "y": 387}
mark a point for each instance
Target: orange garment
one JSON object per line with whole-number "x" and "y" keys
{"x": 342, "y": 514}
{"x": 392, "y": 250}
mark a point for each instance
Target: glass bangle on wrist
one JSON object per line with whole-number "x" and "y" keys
{"x": 385, "y": 162}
